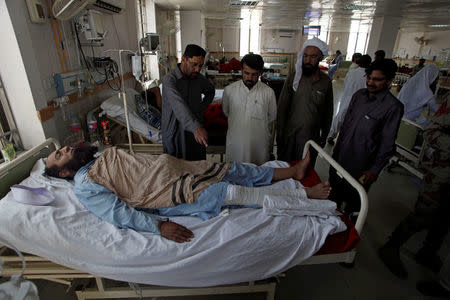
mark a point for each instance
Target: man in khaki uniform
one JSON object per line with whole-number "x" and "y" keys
{"x": 433, "y": 205}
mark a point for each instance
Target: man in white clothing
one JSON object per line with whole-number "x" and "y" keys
{"x": 355, "y": 59}
{"x": 251, "y": 108}
{"x": 354, "y": 81}
{"x": 418, "y": 93}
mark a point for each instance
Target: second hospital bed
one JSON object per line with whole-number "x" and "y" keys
{"x": 114, "y": 109}
{"x": 67, "y": 241}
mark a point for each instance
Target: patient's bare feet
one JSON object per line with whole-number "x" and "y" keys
{"x": 319, "y": 191}
{"x": 301, "y": 166}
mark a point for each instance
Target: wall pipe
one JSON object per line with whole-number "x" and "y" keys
{"x": 56, "y": 38}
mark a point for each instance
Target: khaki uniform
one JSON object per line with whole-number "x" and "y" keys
{"x": 432, "y": 207}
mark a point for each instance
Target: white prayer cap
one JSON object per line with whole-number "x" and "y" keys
{"x": 316, "y": 42}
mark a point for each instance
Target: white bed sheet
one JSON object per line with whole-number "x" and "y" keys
{"x": 240, "y": 246}
{"x": 113, "y": 107}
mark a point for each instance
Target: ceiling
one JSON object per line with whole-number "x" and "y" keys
{"x": 415, "y": 15}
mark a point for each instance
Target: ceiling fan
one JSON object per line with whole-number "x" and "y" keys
{"x": 421, "y": 40}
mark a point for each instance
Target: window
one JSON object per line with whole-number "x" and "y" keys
{"x": 250, "y": 33}
{"x": 358, "y": 37}
{"x": 8, "y": 129}
{"x": 245, "y": 32}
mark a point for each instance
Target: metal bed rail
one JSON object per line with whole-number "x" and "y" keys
{"x": 343, "y": 173}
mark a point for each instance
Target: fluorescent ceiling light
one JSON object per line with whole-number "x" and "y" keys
{"x": 244, "y": 3}
{"x": 439, "y": 25}
{"x": 357, "y": 7}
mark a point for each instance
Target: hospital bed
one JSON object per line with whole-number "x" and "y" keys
{"x": 66, "y": 242}
{"x": 115, "y": 111}
{"x": 410, "y": 148}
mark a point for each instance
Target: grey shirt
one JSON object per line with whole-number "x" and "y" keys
{"x": 303, "y": 115}
{"x": 184, "y": 102}
{"x": 367, "y": 136}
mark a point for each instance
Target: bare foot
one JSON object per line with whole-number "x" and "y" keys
{"x": 301, "y": 166}
{"x": 319, "y": 191}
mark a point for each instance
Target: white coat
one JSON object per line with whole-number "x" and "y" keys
{"x": 249, "y": 114}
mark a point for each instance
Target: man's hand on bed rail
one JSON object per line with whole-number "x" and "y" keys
{"x": 175, "y": 232}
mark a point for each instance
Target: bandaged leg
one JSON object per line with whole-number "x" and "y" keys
{"x": 280, "y": 202}
{"x": 241, "y": 195}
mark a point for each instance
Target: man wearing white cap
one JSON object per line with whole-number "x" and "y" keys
{"x": 305, "y": 107}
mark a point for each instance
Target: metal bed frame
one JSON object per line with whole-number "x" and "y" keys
{"x": 406, "y": 157}
{"x": 41, "y": 268}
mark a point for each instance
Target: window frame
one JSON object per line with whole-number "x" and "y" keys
{"x": 8, "y": 127}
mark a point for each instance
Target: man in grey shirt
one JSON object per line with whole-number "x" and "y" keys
{"x": 366, "y": 140}
{"x": 185, "y": 96}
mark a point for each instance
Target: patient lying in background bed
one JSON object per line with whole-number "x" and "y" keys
{"x": 136, "y": 190}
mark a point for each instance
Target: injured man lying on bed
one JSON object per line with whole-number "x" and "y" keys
{"x": 138, "y": 190}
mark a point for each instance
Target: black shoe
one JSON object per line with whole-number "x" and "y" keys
{"x": 432, "y": 289}
{"x": 390, "y": 255}
{"x": 347, "y": 265}
{"x": 429, "y": 259}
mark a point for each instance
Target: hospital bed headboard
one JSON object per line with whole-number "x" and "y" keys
{"x": 19, "y": 168}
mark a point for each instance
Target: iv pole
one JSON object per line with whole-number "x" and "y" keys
{"x": 123, "y": 95}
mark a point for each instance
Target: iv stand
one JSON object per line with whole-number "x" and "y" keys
{"x": 123, "y": 95}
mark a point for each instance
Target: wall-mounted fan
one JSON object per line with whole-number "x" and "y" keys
{"x": 421, "y": 40}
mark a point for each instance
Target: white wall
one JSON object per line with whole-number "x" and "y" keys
{"x": 272, "y": 42}
{"x": 231, "y": 39}
{"x": 383, "y": 35}
{"x": 166, "y": 28}
{"x": 16, "y": 83}
{"x": 338, "y": 41}
{"x": 28, "y": 81}
{"x": 191, "y": 28}
{"x": 214, "y": 39}
{"x": 438, "y": 42}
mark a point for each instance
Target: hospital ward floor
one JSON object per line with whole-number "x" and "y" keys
{"x": 391, "y": 198}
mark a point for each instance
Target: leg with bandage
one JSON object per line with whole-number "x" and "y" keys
{"x": 279, "y": 201}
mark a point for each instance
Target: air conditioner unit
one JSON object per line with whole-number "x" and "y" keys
{"x": 108, "y": 6}
{"x": 67, "y": 9}
{"x": 286, "y": 33}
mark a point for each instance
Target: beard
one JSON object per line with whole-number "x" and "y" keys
{"x": 250, "y": 83}
{"x": 309, "y": 70}
{"x": 81, "y": 156}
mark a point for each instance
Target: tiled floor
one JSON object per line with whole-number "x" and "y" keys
{"x": 390, "y": 199}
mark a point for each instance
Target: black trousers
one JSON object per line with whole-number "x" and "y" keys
{"x": 346, "y": 196}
